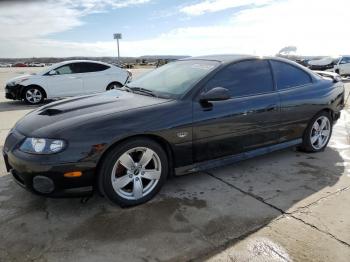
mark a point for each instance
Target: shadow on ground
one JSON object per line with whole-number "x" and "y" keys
{"x": 193, "y": 215}
{"x": 14, "y": 105}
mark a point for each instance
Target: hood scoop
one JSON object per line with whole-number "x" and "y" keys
{"x": 50, "y": 112}
{"x": 65, "y": 108}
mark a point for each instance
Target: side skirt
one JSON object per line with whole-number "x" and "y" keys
{"x": 227, "y": 160}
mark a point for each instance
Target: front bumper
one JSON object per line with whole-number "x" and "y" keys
{"x": 13, "y": 92}
{"x": 44, "y": 175}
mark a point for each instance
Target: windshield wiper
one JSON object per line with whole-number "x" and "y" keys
{"x": 143, "y": 90}
{"x": 125, "y": 88}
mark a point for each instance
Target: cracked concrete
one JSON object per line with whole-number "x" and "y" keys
{"x": 285, "y": 206}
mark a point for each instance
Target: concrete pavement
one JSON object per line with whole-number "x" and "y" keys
{"x": 285, "y": 206}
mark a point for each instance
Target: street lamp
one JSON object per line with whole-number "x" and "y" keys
{"x": 118, "y": 36}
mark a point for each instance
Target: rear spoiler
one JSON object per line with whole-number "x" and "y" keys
{"x": 334, "y": 76}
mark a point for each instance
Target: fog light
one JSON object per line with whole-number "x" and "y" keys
{"x": 73, "y": 174}
{"x": 43, "y": 184}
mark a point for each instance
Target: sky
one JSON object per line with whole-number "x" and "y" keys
{"x": 62, "y": 28}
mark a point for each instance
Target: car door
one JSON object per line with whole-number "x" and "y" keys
{"x": 294, "y": 87}
{"x": 93, "y": 76}
{"x": 248, "y": 120}
{"x": 344, "y": 66}
{"x": 64, "y": 82}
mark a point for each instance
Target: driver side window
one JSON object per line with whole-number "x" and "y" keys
{"x": 244, "y": 78}
{"x": 63, "y": 70}
{"x": 345, "y": 60}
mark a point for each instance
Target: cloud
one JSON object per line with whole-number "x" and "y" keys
{"x": 210, "y": 6}
{"x": 314, "y": 27}
{"x": 31, "y": 19}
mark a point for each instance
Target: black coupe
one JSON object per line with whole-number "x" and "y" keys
{"x": 185, "y": 116}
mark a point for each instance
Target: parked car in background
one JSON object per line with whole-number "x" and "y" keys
{"x": 5, "y": 65}
{"x": 19, "y": 65}
{"x": 342, "y": 66}
{"x": 322, "y": 64}
{"x": 183, "y": 117}
{"x": 69, "y": 78}
{"x": 36, "y": 64}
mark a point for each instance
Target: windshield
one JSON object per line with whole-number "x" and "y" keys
{"x": 174, "y": 79}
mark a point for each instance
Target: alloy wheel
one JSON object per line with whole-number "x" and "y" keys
{"x": 136, "y": 173}
{"x": 320, "y": 132}
{"x": 33, "y": 95}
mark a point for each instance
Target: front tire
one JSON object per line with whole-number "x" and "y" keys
{"x": 33, "y": 95}
{"x": 318, "y": 133}
{"x": 133, "y": 172}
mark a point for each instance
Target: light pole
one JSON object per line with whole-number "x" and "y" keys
{"x": 118, "y": 36}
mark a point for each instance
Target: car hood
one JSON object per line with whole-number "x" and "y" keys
{"x": 68, "y": 113}
{"x": 17, "y": 78}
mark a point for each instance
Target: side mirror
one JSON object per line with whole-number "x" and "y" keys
{"x": 52, "y": 73}
{"x": 215, "y": 94}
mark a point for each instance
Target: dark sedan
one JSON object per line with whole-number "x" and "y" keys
{"x": 185, "y": 116}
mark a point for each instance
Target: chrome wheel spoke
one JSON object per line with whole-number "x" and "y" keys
{"x": 130, "y": 179}
{"x": 138, "y": 188}
{"x": 146, "y": 157}
{"x": 126, "y": 161}
{"x": 323, "y": 124}
{"x": 325, "y": 133}
{"x": 320, "y": 132}
{"x": 314, "y": 139}
{"x": 121, "y": 182}
{"x": 151, "y": 174}
{"x": 319, "y": 141}
{"x": 33, "y": 95}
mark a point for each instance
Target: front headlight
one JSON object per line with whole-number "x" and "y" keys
{"x": 42, "y": 145}
{"x": 16, "y": 82}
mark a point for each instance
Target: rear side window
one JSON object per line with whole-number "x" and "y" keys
{"x": 288, "y": 76}
{"x": 244, "y": 78}
{"x": 89, "y": 67}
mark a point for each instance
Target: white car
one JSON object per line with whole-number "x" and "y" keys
{"x": 70, "y": 78}
{"x": 342, "y": 67}
{"x": 36, "y": 64}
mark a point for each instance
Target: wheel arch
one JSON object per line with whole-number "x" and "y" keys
{"x": 33, "y": 85}
{"x": 158, "y": 139}
{"x": 329, "y": 111}
{"x": 112, "y": 82}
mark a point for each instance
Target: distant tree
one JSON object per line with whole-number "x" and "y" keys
{"x": 286, "y": 51}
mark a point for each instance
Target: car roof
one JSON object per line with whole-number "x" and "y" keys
{"x": 82, "y": 61}
{"x": 222, "y": 58}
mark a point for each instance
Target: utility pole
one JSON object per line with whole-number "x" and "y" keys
{"x": 118, "y": 36}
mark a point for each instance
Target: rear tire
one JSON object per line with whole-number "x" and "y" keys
{"x": 114, "y": 85}
{"x": 33, "y": 95}
{"x": 133, "y": 172}
{"x": 318, "y": 133}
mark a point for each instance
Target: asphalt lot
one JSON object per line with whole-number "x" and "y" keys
{"x": 285, "y": 206}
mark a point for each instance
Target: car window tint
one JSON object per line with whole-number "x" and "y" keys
{"x": 287, "y": 76}
{"x": 89, "y": 67}
{"x": 345, "y": 60}
{"x": 66, "y": 69}
{"x": 244, "y": 78}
